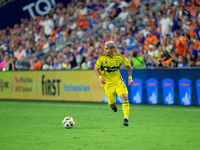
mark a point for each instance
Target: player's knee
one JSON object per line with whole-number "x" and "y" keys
{"x": 124, "y": 97}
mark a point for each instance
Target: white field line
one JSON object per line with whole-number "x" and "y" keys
{"x": 82, "y": 106}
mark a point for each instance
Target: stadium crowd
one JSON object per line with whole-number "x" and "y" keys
{"x": 166, "y": 38}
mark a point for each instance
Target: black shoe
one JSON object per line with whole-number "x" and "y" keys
{"x": 125, "y": 122}
{"x": 115, "y": 109}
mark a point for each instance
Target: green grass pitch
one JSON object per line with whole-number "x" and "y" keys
{"x": 38, "y": 125}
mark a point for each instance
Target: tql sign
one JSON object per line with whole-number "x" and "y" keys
{"x": 47, "y": 6}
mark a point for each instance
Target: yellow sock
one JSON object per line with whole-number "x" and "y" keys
{"x": 125, "y": 107}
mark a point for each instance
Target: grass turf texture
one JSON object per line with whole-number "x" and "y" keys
{"x": 38, "y": 125}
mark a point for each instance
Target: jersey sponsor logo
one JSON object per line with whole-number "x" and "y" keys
{"x": 110, "y": 69}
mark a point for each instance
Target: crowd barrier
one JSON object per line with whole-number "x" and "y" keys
{"x": 150, "y": 86}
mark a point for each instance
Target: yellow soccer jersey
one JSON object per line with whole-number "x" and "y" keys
{"x": 110, "y": 66}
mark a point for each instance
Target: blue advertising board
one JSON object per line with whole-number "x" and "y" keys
{"x": 198, "y": 91}
{"x": 168, "y": 91}
{"x": 185, "y": 91}
{"x": 152, "y": 91}
{"x": 136, "y": 91}
{"x": 164, "y": 86}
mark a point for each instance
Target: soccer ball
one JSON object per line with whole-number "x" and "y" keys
{"x": 68, "y": 122}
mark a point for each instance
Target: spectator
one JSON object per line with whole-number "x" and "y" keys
{"x": 47, "y": 24}
{"x": 124, "y": 14}
{"x": 152, "y": 51}
{"x": 135, "y": 45}
{"x": 77, "y": 19}
{"x": 151, "y": 39}
{"x": 181, "y": 44}
{"x": 138, "y": 61}
{"x": 10, "y": 64}
{"x": 56, "y": 64}
{"x": 193, "y": 52}
{"x": 151, "y": 63}
{"x": 80, "y": 33}
{"x": 180, "y": 60}
{"x": 175, "y": 25}
{"x": 36, "y": 64}
{"x": 166, "y": 60}
{"x": 69, "y": 57}
{"x": 21, "y": 52}
{"x": 49, "y": 64}
{"x": 4, "y": 63}
{"x": 166, "y": 25}
{"x": 83, "y": 63}
{"x": 46, "y": 46}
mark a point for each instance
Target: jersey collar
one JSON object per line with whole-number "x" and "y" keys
{"x": 113, "y": 56}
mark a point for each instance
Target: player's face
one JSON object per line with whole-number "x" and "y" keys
{"x": 108, "y": 50}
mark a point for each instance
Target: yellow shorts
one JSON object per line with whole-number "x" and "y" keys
{"x": 111, "y": 90}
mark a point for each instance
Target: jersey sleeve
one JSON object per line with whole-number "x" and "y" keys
{"x": 125, "y": 61}
{"x": 98, "y": 63}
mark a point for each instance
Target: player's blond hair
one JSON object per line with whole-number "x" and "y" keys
{"x": 111, "y": 44}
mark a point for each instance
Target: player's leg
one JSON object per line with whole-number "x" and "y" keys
{"x": 122, "y": 92}
{"x": 125, "y": 107}
{"x": 113, "y": 106}
{"x": 110, "y": 96}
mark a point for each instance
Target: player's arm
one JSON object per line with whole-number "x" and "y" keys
{"x": 98, "y": 73}
{"x": 185, "y": 49}
{"x": 70, "y": 59}
{"x": 129, "y": 69}
{"x": 102, "y": 80}
{"x": 127, "y": 64}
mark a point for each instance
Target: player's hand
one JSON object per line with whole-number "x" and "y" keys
{"x": 130, "y": 82}
{"x": 103, "y": 81}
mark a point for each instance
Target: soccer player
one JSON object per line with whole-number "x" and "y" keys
{"x": 110, "y": 77}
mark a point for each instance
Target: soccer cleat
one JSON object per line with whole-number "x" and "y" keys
{"x": 115, "y": 109}
{"x": 125, "y": 122}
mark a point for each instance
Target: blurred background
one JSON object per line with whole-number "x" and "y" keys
{"x": 70, "y": 35}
